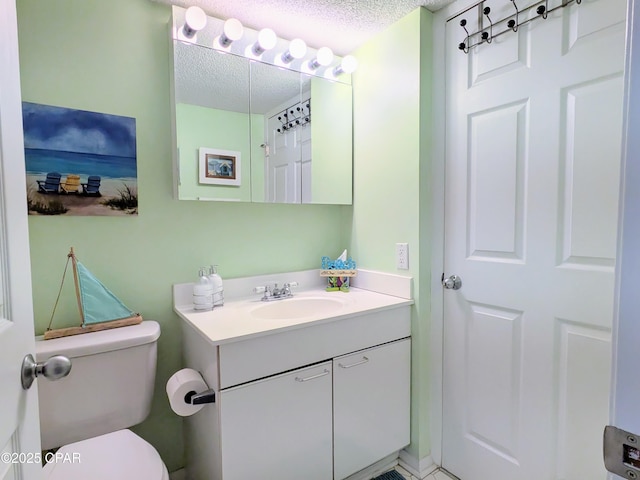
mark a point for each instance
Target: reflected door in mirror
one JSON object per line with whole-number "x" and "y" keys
{"x": 288, "y": 163}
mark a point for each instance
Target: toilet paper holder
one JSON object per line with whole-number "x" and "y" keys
{"x": 193, "y": 398}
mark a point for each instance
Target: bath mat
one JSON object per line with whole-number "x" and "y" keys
{"x": 392, "y": 475}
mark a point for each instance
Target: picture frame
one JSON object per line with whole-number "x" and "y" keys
{"x": 68, "y": 172}
{"x": 219, "y": 167}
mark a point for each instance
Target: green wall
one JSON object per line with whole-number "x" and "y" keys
{"x": 331, "y": 139}
{"x": 392, "y": 111}
{"x": 113, "y": 57}
{"x": 198, "y": 127}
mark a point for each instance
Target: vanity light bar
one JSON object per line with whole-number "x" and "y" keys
{"x": 263, "y": 45}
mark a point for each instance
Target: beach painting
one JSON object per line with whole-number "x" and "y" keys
{"x": 79, "y": 162}
{"x": 219, "y": 167}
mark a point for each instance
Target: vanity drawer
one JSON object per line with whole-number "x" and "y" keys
{"x": 259, "y": 357}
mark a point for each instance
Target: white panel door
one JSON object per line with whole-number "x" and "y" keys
{"x": 283, "y": 165}
{"x": 532, "y": 171}
{"x": 371, "y": 395}
{"x": 279, "y": 427}
{"x": 19, "y": 429}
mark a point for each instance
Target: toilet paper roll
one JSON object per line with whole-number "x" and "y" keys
{"x": 179, "y": 385}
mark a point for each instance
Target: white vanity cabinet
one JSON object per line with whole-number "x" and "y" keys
{"x": 318, "y": 400}
{"x": 371, "y": 397}
{"x": 279, "y": 427}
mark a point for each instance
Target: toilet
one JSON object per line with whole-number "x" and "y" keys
{"x": 87, "y": 414}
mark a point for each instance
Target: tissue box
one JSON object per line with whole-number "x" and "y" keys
{"x": 338, "y": 280}
{"x": 338, "y": 272}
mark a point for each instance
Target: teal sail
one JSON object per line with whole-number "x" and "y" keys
{"x": 98, "y": 303}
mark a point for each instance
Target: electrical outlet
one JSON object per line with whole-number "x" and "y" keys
{"x": 402, "y": 256}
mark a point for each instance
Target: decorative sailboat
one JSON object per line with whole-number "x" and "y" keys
{"x": 99, "y": 308}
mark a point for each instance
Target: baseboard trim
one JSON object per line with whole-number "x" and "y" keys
{"x": 418, "y": 468}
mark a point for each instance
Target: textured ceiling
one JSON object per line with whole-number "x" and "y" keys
{"x": 342, "y": 25}
{"x": 208, "y": 78}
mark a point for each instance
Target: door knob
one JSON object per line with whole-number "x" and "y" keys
{"x": 53, "y": 369}
{"x": 454, "y": 282}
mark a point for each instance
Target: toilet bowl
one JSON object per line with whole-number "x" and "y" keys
{"x": 120, "y": 455}
{"x": 87, "y": 414}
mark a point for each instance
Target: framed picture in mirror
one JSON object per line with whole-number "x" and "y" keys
{"x": 219, "y": 167}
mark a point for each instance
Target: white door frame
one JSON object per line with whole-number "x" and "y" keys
{"x": 438, "y": 161}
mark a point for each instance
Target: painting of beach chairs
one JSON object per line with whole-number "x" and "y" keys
{"x": 79, "y": 162}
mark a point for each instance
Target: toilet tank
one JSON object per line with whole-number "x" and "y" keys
{"x": 110, "y": 386}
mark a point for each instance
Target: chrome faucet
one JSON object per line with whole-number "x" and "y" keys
{"x": 275, "y": 293}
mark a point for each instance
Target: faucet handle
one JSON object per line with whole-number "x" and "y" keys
{"x": 266, "y": 290}
{"x": 286, "y": 288}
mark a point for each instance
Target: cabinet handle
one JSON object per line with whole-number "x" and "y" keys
{"x": 325, "y": 372}
{"x": 364, "y": 360}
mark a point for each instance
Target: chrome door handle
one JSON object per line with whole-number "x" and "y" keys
{"x": 53, "y": 369}
{"x": 454, "y": 282}
{"x": 364, "y": 360}
{"x": 325, "y": 372}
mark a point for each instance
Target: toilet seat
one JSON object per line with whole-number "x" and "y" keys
{"x": 120, "y": 455}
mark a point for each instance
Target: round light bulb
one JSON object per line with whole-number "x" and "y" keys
{"x": 324, "y": 56}
{"x": 267, "y": 39}
{"x": 349, "y": 64}
{"x": 194, "y": 20}
{"x": 231, "y": 32}
{"x": 297, "y": 48}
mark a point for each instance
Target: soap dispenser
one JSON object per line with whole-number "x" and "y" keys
{"x": 203, "y": 292}
{"x": 218, "y": 290}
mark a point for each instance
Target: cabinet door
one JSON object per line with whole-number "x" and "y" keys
{"x": 279, "y": 427}
{"x": 371, "y": 395}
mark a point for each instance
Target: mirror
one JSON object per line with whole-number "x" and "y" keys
{"x": 230, "y": 145}
{"x": 212, "y": 113}
{"x": 306, "y": 152}
{"x": 279, "y": 155}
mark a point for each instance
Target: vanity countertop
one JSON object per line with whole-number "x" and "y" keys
{"x": 240, "y": 319}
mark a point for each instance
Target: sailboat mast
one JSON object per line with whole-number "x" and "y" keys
{"x": 75, "y": 281}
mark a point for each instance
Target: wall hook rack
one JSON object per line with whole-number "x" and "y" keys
{"x": 514, "y": 23}
{"x": 485, "y": 33}
{"x": 464, "y": 45}
{"x": 487, "y": 36}
{"x": 543, "y": 10}
{"x": 296, "y": 116}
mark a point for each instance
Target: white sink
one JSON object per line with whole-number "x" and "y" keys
{"x": 297, "y": 308}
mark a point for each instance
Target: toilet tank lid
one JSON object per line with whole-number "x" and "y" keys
{"x": 98, "y": 342}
